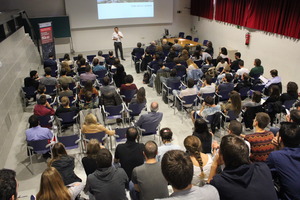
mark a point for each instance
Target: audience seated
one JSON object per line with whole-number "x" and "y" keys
{"x": 52, "y": 186}
{"x": 66, "y": 67}
{"x": 234, "y": 103}
{"x": 152, "y": 118}
{"x": 240, "y": 179}
{"x": 189, "y": 91}
{"x": 210, "y": 48}
{"x": 207, "y": 86}
{"x": 161, "y": 74}
{"x": 106, "y": 86}
{"x": 275, "y": 80}
{"x": 201, "y": 161}
{"x": 88, "y": 75}
{"x": 244, "y": 83}
{"x": 236, "y": 128}
{"x": 152, "y": 48}
{"x": 89, "y": 161}
{"x": 100, "y": 58}
{"x": 8, "y": 185}
{"x": 119, "y": 76}
{"x": 149, "y": 183}
{"x": 130, "y": 154}
{"x": 196, "y": 56}
{"x": 208, "y": 64}
{"x": 225, "y": 71}
{"x": 284, "y": 163}
{"x": 89, "y": 102}
{"x": 65, "y": 106}
{"x": 147, "y": 58}
{"x": 138, "y": 51}
{"x": 98, "y": 66}
{"x": 110, "y": 60}
{"x": 81, "y": 66}
{"x": 242, "y": 70}
{"x": 177, "y": 168}
{"x": 41, "y": 91}
{"x": 110, "y": 98}
{"x": 107, "y": 182}
{"x": 67, "y": 59}
{"x": 65, "y": 91}
{"x": 201, "y": 131}
{"x": 291, "y": 92}
{"x": 64, "y": 164}
{"x": 227, "y": 84}
{"x": 191, "y": 65}
{"x": 255, "y": 100}
{"x": 48, "y": 79}
{"x": 77, "y": 62}
{"x": 32, "y": 80}
{"x": 208, "y": 108}
{"x": 177, "y": 47}
{"x": 166, "y": 137}
{"x": 91, "y": 125}
{"x": 184, "y": 55}
{"x": 235, "y": 64}
{"x": 64, "y": 78}
{"x": 272, "y": 103}
{"x": 222, "y": 64}
{"x": 257, "y": 69}
{"x": 88, "y": 87}
{"x": 180, "y": 69}
{"x": 43, "y": 108}
{"x": 224, "y": 54}
{"x": 140, "y": 96}
{"x": 36, "y": 132}
{"x": 129, "y": 85}
{"x": 165, "y": 46}
{"x": 261, "y": 139}
{"x": 50, "y": 62}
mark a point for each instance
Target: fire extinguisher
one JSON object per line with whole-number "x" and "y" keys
{"x": 247, "y": 38}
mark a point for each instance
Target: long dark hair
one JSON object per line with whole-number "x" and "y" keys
{"x": 201, "y": 128}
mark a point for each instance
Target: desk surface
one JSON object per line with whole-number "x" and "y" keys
{"x": 183, "y": 42}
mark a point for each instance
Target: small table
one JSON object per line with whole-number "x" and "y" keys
{"x": 183, "y": 42}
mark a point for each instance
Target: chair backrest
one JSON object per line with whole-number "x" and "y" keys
{"x": 61, "y": 59}
{"x": 205, "y": 42}
{"x": 45, "y": 121}
{"x": 105, "y": 55}
{"x": 258, "y": 87}
{"x": 198, "y": 63}
{"x": 224, "y": 94}
{"x": 99, "y": 136}
{"x": 50, "y": 89}
{"x": 196, "y": 39}
{"x": 231, "y": 114}
{"x": 208, "y": 94}
{"x": 121, "y": 133}
{"x": 174, "y": 86}
{"x": 29, "y": 91}
{"x": 170, "y": 65}
{"x": 90, "y": 58}
{"x": 214, "y": 121}
{"x": 289, "y": 103}
{"x": 67, "y": 117}
{"x": 128, "y": 95}
{"x": 244, "y": 91}
{"x": 75, "y": 58}
{"x": 191, "y": 99}
{"x": 138, "y": 56}
{"x": 189, "y": 37}
{"x": 100, "y": 74}
{"x": 39, "y": 145}
{"x": 114, "y": 110}
{"x": 150, "y": 128}
{"x": 136, "y": 108}
{"x": 70, "y": 142}
{"x": 181, "y": 34}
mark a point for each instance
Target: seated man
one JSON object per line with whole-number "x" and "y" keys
{"x": 177, "y": 168}
{"x": 65, "y": 106}
{"x": 8, "y": 185}
{"x": 172, "y": 79}
{"x": 261, "y": 139}
{"x": 43, "y": 108}
{"x": 227, "y": 84}
{"x": 32, "y": 80}
{"x": 235, "y": 64}
{"x": 190, "y": 90}
{"x": 64, "y": 78}
{"x": 100, "y": 58}
{"x": 177, "y": 47}
{"x": 236, "y": 128}
{"x": 110, "y": 60}
{"x": 166, "y": 137}
{"x": 48, "y": 79}
{"x": 50, "y": 62}
{"x": 107, "y": 182}
{"x": 242, "y": 69}
{"x": 98, "y": 66}
{"x": 36, "y": 132}
{"x": 153, "y": 118}
{"x": 65, "y": 91}
{"x": 180, "y": 69}
{"x": 257, "y": 69}
{"x": 88, "y": 75}
{"x": 151, "y": 48}
{"x": 162, "y": 73}
{"x": 106, "y": 87}
{"x": 240, "y": 179}
{"x": 208, "y": 108}
{"x": 138, "y": 51}
{"x": 82, "y": 65}
{"x": 274, "y": 80}
{"x": 149, "y": 183}
{"x": 130, "y": 154}
{"x": 207, "y": 86}
{"x": 284, "y": 164}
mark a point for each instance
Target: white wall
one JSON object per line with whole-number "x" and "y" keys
{"x": 275, "y": 51}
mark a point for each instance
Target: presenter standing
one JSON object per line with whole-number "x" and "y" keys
{"x": 117, "y": 36}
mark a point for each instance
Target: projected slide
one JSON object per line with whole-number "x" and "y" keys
{"x": 118, "y": 9}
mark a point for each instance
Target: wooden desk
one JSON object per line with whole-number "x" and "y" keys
{"x": 183, "y": 42}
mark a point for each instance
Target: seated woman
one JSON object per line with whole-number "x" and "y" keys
{"x": 129, "y": 85}
{"x": 140, "y": 96}
{"x": 255, "y": 101}
{"x": 52, "y": 186}
{"x": 119, "y": 76}
{"x": 64, "y": 164}
{"x": 243, "y": 84}
{"x": 191, "y": 65}
{"x": 234, "y": 103}
{"x": 88, "y": 87}
{"x": 273, "y": 104}
{"x": 65, "y": 106}
{"x": 89, "y": 162}
{"x": 41, "y": 91}
{"x": 67, "y": 59}
{"x": 67, "y": 68}
{"x": 92, "y": 126}
{"x": 222, "y": 64}
{"x": 202, "y": 162}
{"x": 196, "y": 56}
{"x": 201, "y": 131}
{"x": 291, "y": 92}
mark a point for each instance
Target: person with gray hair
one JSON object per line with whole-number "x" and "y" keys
{"x": 152, "y": 118}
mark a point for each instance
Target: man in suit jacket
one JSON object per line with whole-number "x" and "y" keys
{"x": 153, "y": 118}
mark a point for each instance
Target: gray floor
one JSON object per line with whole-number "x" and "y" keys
{"x": 29, "y": 177}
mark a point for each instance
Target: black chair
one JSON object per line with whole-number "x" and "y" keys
{"x": 244, "y": 91}
{"x": 189, "y": 37}
{"x": 127, "y": 95}
{"x": 196, "y": 39}
{"x": 67, "y": 119}
{"x": 100, "y": 136}
{"x": 51, "y": 90}
{"x": 214, "y": 121}
{"x": 223, "y": 95}
{"x": 205, "y": 42}
{"x": 29, "y": 92}
{"x": 38, "y": 147}
{"x": 170, "y": 65}
{"x": 90, "y": 58}
{"x": 112, "y": 112}
{"x": 100, "y": 75}
{"x": 75, "y": 58}
{"x": 46, "y": 121}
{"x": 258, "y": 87}
{"x": 186, "y": 103}
{"x": 181, "y": 35}
{"x": 288, "y": 104}
{"x": 249, "y": 115}
{"x": 70, "y": 142}
{"x": 120, "y": 135}
{"x": 61, "y": 59}
{"x": 135, "y": 109}
{"x": 148, "y": 129}
{"x": 167, "y": 91}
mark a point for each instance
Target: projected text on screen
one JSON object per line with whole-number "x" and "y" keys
{"x": 118, "y": 9}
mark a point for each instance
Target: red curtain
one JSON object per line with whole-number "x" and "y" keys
{"x": 231, "y": 11}
{"x": 202, "y": 8}
{"x": 276, "y": 16}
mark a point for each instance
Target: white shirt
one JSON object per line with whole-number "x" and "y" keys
{"x": 206, "y": 170}
{"x": 208, "y": 89}
{"x": 118, "y": 35}
{"x": 241, "y": 71}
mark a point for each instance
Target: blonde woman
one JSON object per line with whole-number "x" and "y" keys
{"x": 191, "y": 65}
{"x": 201, "y": 162}
{"x": 89, "y": 162}
{"x": 52, "y": 187}
{"x": 91, "y": 125}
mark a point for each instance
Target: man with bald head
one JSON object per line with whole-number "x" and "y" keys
{"x": 152, "y": 119}
{"x": 148, "y": 180}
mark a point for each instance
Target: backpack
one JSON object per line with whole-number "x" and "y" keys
{"x": 146, "y": 78}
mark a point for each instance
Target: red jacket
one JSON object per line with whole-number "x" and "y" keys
{"x": 41, "y": 110}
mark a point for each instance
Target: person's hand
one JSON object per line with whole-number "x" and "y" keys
{"x": 47, "y": 104}
{"x": 215, "y": 145}
{"x": 288, "y": 118}
{"x": 218, "y": 160}
{"x": 243, "y": 135}
{"x": 203, "y": 104}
